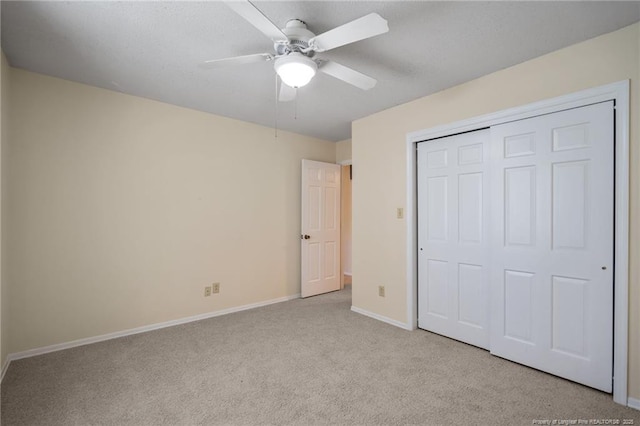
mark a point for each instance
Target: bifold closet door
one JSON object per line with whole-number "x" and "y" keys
{"x": 552, "y": 243}
{"x": 453, "y": 262}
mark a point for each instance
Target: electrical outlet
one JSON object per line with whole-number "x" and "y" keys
{"x": 381, "y": 290}
{"x": 207, "y": 291}
{"x": 400, "y": 213}
{"x": 216, "y": 288}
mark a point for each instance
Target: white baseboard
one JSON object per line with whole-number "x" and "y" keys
{"x": 381, "y": 318}
{"x": 143, "y": 329}
{"x": 633, "y": 403}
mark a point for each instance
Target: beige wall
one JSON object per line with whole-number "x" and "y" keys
{"x": 4, "y": 110}
{"x": 123, "y": 209}
{"x": 379, "y": 150}
{"x": 343, "y": 151}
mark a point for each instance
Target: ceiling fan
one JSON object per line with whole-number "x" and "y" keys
{"x": 295, "y": 47}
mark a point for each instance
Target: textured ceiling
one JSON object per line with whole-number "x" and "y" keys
{"x": 152, "y": 49}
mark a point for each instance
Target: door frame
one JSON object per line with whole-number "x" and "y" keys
{"x": 342, "y": 163}
{"x": 619, "y": 92}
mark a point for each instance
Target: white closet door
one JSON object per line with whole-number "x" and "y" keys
{"x": 552, "y": 243}
{"x": 452, "y": 237}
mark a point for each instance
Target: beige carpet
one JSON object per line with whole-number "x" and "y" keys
{"x": 309, "y": 361}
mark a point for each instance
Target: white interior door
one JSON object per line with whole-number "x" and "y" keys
{"x": 552, "y": 245}
{"x": 453, "y": 257}
{"x": 320, "y": 239}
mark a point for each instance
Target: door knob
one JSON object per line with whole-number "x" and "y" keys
{"x": 305, "y": 236}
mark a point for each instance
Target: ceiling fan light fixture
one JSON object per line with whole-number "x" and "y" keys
{"x": 295, "y": 69}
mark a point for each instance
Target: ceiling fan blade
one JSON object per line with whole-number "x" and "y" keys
{"x": 368, "y": 26}
{"x": 348, "y": 75}
{"x": 236, "y": 60}
{"x": 256, "y": 18}
{"x": 287, "y": 93}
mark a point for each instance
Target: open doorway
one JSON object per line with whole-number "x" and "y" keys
{"x": 345, "y": 223}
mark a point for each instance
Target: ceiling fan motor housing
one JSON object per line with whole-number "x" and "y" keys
{"x": 298, "y": 35}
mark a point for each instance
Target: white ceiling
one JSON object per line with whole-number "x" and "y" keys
{"x": 152, "y": 49}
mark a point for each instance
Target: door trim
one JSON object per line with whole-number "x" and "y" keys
{"x": 619, "y": 92}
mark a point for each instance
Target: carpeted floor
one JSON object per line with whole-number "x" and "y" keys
{"x": 309, "y": 361}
